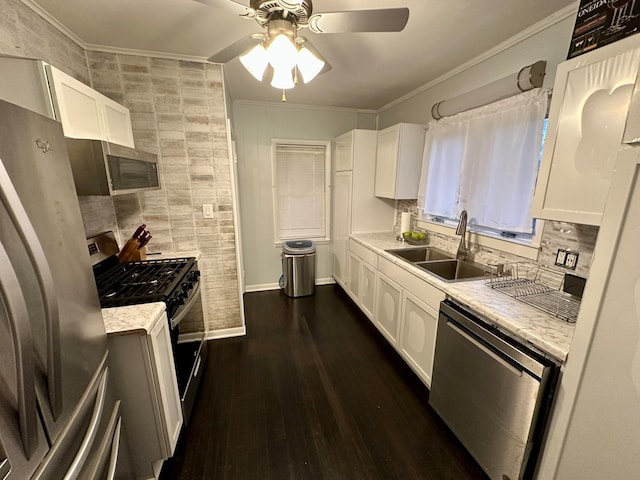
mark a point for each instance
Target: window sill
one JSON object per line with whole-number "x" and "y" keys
{"x": 521, "y": 248}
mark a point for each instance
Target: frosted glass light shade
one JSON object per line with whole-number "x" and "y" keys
{"x": 282, "y": 79}
{"x": 255, "y": 61}
{"x": 282, "y": 53}
{"x": 308, "y": 64}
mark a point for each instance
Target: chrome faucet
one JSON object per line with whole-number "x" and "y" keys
{"x": 463, "y": 251}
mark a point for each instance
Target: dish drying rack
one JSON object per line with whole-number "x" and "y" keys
{"x": 534, "y": 285}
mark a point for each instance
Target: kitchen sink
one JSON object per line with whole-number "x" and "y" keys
{"x": 421, "y": 254}
{"x": 453, "y": 270}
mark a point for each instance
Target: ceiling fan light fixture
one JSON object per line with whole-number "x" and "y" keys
{"x": 308, "y": 64}
{"x": 256, "y": 61}
{"x": 282, "y": 53}
{"x": 282, "y": 79}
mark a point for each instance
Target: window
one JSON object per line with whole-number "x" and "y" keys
{"x": 301, "y": 189}
{"x": 486, "y": 161}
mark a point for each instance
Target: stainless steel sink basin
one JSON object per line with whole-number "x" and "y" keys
{"x": 453, "y": 270}
{"x": 421, "y": 254}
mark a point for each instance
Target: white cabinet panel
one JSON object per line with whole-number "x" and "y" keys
{"x": 86, "y": 113}
{"x": 344, "y": 152}
{"x": 399, "y": 161}
{"x": 117, "y": 123}
{"x": 166, "y": 384}
{"x": 78, "y": 106}
{"x": 387, "y": 308}
{"x": 418, "y": 336}
{"x": 146, "y": 381}
{"x": 353, "y": 284}
{"x": 586, "y": 122}
{"x": 367, "y": 289}
{"x": 341, "y": 219}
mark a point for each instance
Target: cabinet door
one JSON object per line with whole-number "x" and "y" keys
{"x": 341, "y": 221}
{"x": 586, "y": 121}
{"x": 387, "y": 308}
{"x": 387, "y": 162}
{"x": 353, "y": 284}
{"x": 78, "y": 106}
{"x": 418, "y": 336}
{"x": 166, "y": 384}
{"x": 344, "y": 152}
{"x": 118, "y": 123}
{"x": 367, "y": 289}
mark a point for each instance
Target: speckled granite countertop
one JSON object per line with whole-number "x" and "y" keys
{"x": 132, "y": 319}
{"x": 139, "y": 319}
{"x": 543, "y": 331}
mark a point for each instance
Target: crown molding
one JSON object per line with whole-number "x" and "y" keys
{"x": 53, "y": 21}
{"x": 300, "y": 105}
{"x": 534, "y": 29}
{"x": 146, "y": 53}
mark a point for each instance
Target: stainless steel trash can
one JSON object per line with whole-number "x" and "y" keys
{"x": 299, "y": 268}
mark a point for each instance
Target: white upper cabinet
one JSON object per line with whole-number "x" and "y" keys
{"x": 399, "y": 161}
{"x": 590, "y": 99}
{"x": 86, "y": 113}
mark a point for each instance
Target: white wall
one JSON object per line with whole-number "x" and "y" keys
{"x": 550, "y": 44}
{"x": 255, "y": 125}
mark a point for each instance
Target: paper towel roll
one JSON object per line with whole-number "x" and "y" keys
{"x": 405, "y": 222}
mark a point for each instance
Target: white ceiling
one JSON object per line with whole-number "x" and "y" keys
{"x": 369, "y": 71}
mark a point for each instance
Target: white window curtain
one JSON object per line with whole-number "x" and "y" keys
{"x": 300, "y": 190}
{"x": 485, "y": 161}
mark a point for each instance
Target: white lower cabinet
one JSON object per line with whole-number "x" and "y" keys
{"x": 418, "y": 336}
{"x": 146, "y": 381}
{"x": 367, "y": 289}
{"x": 402, "y": 306}
{"x": 353, "y": 279}
{"x": 387, "y": 309}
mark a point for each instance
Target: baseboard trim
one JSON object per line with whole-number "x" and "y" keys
{"x": 274, "y": 286}
{"x": 226, "y": 333}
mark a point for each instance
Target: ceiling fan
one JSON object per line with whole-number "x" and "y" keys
{"x": 281, "y": 51}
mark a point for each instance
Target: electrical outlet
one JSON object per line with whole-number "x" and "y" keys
{"x": 561, "y": 257}
{"x": 207, "y": 210}
{"x": 571, "y": 260}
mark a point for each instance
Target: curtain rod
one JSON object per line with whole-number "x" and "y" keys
{"x": 528, "y": 78}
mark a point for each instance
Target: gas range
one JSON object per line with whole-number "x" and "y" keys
{"x": 173, "y": 281}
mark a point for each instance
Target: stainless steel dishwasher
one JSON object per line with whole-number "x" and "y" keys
{"x": 493, "y": 392}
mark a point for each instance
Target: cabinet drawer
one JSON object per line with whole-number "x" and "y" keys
{"x": 426, "y": 292}
{"x": 364, "y": 253}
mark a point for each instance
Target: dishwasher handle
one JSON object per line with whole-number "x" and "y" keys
{"x": 508, "y": 350}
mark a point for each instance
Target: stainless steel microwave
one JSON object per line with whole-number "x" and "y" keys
{"x": 103, "y": 168}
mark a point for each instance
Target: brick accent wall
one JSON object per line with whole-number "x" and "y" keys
{"x": 178, "y": 112}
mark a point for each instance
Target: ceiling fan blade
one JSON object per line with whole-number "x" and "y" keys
{"x": 235, "y": 49}
{"x": 382, "y": 20}
{"x": 230, "y": 5}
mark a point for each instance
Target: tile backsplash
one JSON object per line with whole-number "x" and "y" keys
{"x": 576, "y": 237}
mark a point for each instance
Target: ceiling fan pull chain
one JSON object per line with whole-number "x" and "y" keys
{"x": 284, "y": 96}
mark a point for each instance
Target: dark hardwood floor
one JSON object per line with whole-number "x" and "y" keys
{"x": 313, "y": 392}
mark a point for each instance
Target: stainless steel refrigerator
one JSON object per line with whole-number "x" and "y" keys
{"x": 58, "y": 416}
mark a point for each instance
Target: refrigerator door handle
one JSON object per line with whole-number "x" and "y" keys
{"x": 115, "y": 448}
{"x": 92, "y": 431}
{"x": 44, "y": 277}
{"x": 17, "y": 314}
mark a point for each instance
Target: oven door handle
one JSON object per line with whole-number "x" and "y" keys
{"x": 175, "y": 320}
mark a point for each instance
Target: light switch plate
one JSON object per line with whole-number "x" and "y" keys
{"x": 207, "y": 210}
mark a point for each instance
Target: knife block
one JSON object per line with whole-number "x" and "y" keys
{"x": 131, "y": 253}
